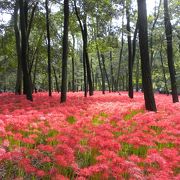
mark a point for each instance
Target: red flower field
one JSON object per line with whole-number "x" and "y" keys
{"x": 100, "y": 137}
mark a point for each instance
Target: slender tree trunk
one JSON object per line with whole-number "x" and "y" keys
{"x": 130, "y": 67}
{"x": 65, "y": 52}
{"x": 86, "y": 64}
{"x": 168, "y": 31}
{"x": 145, "y": 64}
{"x": 56, "y": 79}
{"x": 137, "y": 75}
{"x": 101, "y": 69}
{"x": 120, "y": 55}
{"x": 151, "y": 34}
{"x": 103, "y": 88}
{"x": 105, "y": 71}
{"x": 85, "y": 42}
{"x": 163, "y": 70}
{"x": 134, "y": 44}
{"x": 92, "y": 73}
{"x": 73, "y": 65}
{"x": 112, "y": 72}
{"x": 48, "y": 49}
{"x": 26, "y": 78}
{"x": 85, "y": 74}
{"x": 34, "y": 74}
{"x": 18, "y": 88}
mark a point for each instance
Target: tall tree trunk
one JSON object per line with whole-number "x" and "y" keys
{"x": 56, "y": 79}
{"x": 130, "y": 67}
{"x": 34, "y": 74}
{"x": 48, "y": 49}
{"x": 92, "y": 73}
{"x": 85, "y": 43}
{"x": 134, "y": 44}
{"x": 65, "y": 52}
{"x": 101, "y": 69}
{"x": 26, "y": 78}
{"x": 86, "y": 63}
{"x": 18, "y": 88}
{"x": 163, "y": 70}
{"x": 112, "y": 72}
{"x": 73, "y": 65}
{"x": 145, "y": 64}
{"x": 152, "y": 30}
{"x": 168, "y": 31}
{"x": 120, "y": 54}
{"x": 85, "y": 73}
{"x": 103, "y": 88}
{"x": 137, "y": 75}
{"x": 105, "y": 71}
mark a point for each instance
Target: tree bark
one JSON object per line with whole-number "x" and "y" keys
{"x": 130, "y": 67}
{"x": 73, "y": 66}
{"x": 85, "y": 44}
{"x": 105, "y": 71}
{"x": 26, "y": 77}
{"x": 163, "y": 70}
{"x": 112, "y": 72}
{"x": 151, "y": 34}
{"x": 56, "y": 79}
{"x": 83, "y": 27}
{"x": 145, "y": 64}
{"x": 65, "y": 52}
{"x": 168, "y": 31}
{"x": 120, "y": 54}
{"x": 48, "y": 49}
{"x": 137, "y": 75}
{"x": 18, "y": 88}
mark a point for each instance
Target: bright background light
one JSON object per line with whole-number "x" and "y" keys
{"x": 150, "y": 5}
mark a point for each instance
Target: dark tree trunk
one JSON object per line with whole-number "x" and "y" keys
{"x": 34, "y": 74}
{"x": 65, "y": 52}
{"x": 163, "y": 70}
{"x": 73, "y": 65}
{"x": 103, "y": 88}
{"x": 137, "y": 75}
{"x": 92, "y": 72}
{"x": 26, "y": 77}
{"x": 152, "y": 30}
{"x": 130, "y": 67}
{"x": 85, "y": 43}
{"x": 56, "y": 79}
{"x": 86, "y": 64}
{"x": 145, "y": 64}
{"x": 101, "y": 70}
{"x": 168, "y": 31}
{"x": 120, "y": 54}
{"x": 134, "y": 44}
{"x": 18, "y": 88}
{"x": 112, "y": 72}
{"x": 105, "y": 71}
{"x": 85, "y": 73}
{"x": 48, "y": 49}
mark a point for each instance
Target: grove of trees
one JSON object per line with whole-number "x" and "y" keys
{"x": 88, "y": 45}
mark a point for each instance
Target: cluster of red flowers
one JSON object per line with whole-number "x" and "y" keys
{"x": 99, "y": 137}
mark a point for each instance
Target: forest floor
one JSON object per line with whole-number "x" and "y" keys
{"x": 101, "y": 137}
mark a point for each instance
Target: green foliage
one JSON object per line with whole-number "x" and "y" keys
{"x": 157, "y": 129}
{"x": 129, "y": 149}
{"x": 87, "y": 158}
{"x": 161, "y": 146}
{"x": 99, "y": 119}
{"x": 71, "y": 119}
{"x": 132, "y": 114}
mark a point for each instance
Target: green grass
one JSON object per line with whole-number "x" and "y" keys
{"x": 71, "y": 119}
{"x": 132, "y": 114}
